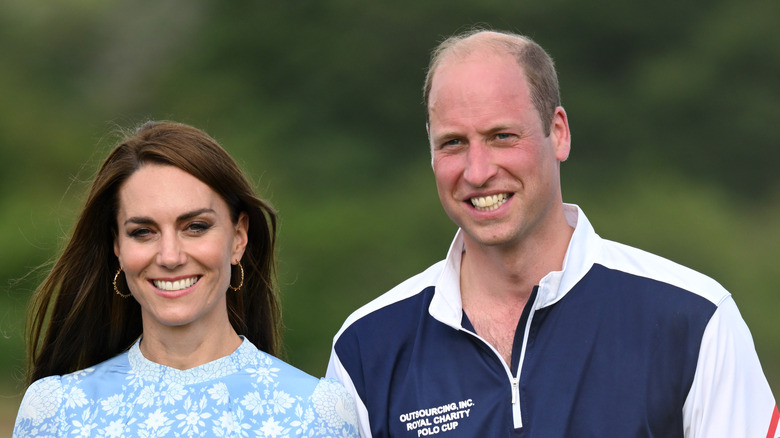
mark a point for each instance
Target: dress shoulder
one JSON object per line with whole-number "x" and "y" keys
{"x": 37, "y": 414}
{"x": 325, "y": 407}
{"x": 334, "y": 406}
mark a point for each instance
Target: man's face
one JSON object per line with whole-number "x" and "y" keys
{"x": 496, "y": 172}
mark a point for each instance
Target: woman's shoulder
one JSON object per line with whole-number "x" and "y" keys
{"x": 48, "y": 395}
{"x": 272, "y": 371}
{"x": 333, "y": 405}
{"x": 324, "y": 405}
{"x": 42, "y": 398}
{"x": 39, "y": 407}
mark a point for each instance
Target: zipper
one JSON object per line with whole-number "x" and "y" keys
{"x": 517, "y": 417}
{"x": 516, "y": 414}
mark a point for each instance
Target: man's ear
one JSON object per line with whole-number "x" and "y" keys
{"x": 561, "y": 136}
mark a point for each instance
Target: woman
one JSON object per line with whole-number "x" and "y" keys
{"x": 160, "y": 317}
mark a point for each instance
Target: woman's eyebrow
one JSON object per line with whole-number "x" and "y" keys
{"x": 144, "y": 220}
{"x": 195, "y": 213}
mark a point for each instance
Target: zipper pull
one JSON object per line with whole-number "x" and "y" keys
{"x": 516, "y": 415}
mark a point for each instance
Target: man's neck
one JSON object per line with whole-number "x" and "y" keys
{"x": 496, "y": 282}
{"x": 509, "y": 272}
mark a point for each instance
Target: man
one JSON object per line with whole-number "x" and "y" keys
{"x": 533, "y": 325}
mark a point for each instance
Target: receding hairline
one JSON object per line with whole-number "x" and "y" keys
{"x": 499, "y": 42}
{"x": 464, "y": 45}
{"x": 536, "y": 65}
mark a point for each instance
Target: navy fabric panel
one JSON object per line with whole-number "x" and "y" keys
{"x": 401, "y": 360}
{"x": 517, "y": 343}
{"x": 615, "y": 358}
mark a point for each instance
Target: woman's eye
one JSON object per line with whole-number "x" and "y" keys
{"x": 198, "y": 227}
{"x": 139, "y": 233}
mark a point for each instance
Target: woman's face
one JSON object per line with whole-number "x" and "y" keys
{"x": 176, "y": 242}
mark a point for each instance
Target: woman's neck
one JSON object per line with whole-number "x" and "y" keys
{"x": 188, "y": 347}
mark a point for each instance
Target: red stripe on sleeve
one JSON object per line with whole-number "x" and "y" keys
{"x": 772, "y": 433}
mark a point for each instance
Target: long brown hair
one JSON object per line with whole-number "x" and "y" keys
{"x": 76, "y": 319}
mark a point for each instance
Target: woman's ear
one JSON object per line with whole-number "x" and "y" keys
{"x": 241, "y": 237}
{"x": 116, "y": 246}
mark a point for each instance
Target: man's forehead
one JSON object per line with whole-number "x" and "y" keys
{"x": 478, "y": 79}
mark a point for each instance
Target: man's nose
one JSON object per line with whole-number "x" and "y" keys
{"x": 480, "y": 167}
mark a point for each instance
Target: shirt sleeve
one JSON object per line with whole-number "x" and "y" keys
{"x": 334, "y": 410}
{"x": 38, "y": 413}
{"x": 730, "y": 395}
{"x": 337, "y": 371}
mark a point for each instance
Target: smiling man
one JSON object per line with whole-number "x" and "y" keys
{"x": 533, "y": 325}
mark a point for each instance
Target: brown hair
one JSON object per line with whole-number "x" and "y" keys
{"x": 76, "y": 319}
{"x": 537, "y": 64}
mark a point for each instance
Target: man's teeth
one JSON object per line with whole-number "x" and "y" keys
{"x": 175, "y": 285}
{"x": 488, "y": 203}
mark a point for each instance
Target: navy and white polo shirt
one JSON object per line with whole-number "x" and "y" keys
{"x": 620, "y": 343}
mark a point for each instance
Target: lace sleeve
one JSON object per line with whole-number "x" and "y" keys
{"x": 38, "y": 412}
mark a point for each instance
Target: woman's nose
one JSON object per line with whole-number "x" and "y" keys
{"x": 170, "y": 254}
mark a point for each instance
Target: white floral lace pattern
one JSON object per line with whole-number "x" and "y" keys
{"x": 246, "y": 394}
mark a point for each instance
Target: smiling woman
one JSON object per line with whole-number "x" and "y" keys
{"x": 175, "y": 244}
{"x": 161, "y": 316}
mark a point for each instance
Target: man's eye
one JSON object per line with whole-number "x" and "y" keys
{"x": 503, "y": 136}
{"x": 452, "y": 142}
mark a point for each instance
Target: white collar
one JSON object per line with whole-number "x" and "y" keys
{"x": 447, "y": 307}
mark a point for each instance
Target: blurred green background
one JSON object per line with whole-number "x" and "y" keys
{"x": 673, "y": 108}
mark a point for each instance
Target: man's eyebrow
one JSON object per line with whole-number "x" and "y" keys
{"x": 497, "y": 128}
{"x": 450, "y": 134}
{"x": 503, "y": 127}
{"x": 445, "y": 135}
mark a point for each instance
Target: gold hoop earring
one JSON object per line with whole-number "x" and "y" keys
{"x": 242, "y": 277}
{"x": 116, "y": 289}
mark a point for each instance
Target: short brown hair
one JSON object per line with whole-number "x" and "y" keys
{"x": 537, "y": 64}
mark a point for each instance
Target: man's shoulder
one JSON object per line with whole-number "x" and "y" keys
{"x": 410, "y": 288}
{"x": 651, "y": 266}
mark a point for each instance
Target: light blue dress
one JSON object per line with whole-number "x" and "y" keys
{"x": 246, "y": 394}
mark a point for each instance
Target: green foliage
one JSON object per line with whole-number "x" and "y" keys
{"x": 672, "y": 107}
